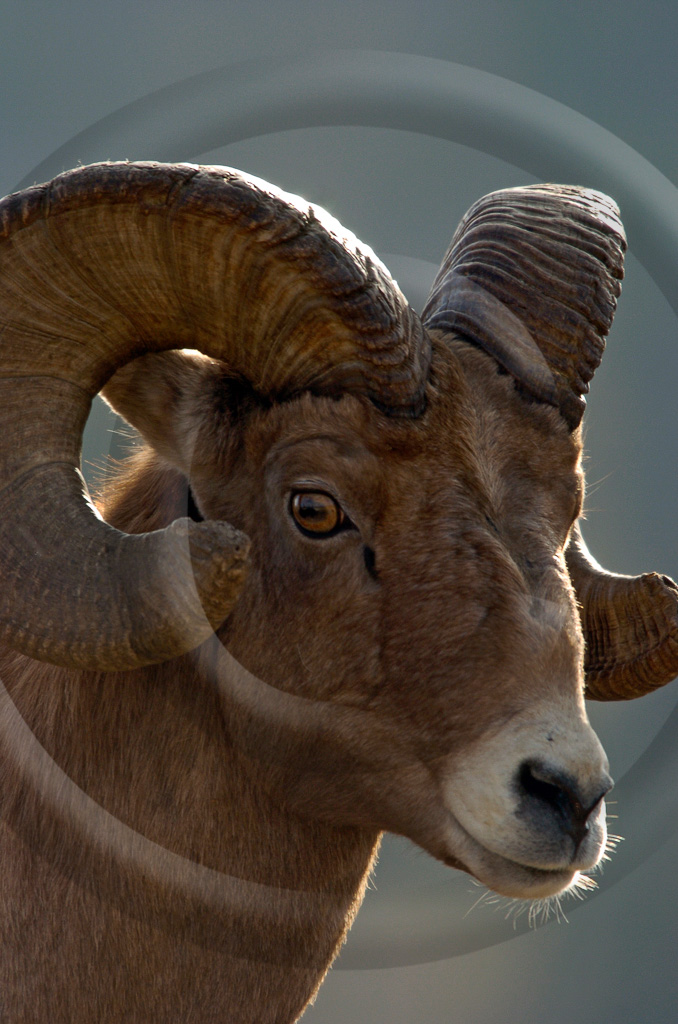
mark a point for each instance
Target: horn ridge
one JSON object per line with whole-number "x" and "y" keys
{"x": 630, "y": 626}
{"x": 553, "y": 255}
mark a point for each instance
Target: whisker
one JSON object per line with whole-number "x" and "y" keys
{"x": 539, "y": 911}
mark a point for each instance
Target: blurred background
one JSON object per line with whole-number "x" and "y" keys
{"x": 297, "y": 92}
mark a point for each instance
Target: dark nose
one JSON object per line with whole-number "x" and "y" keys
{"x": 546, "y": 789}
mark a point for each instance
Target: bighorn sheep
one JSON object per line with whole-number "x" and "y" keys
{"x": 333, "y": 595}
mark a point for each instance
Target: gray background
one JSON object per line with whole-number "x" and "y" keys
{"x": 413, "y": 957}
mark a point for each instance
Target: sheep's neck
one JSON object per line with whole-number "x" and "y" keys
{"x": 279, "y": 892}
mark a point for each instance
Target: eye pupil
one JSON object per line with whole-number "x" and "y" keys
{"x": 316, "y": 512}
{"x": 311, "y": 510}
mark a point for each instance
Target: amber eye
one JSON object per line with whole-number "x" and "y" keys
{"x": 316, "y": 513}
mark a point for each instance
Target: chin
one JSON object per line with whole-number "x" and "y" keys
{"x": 519, "y": 882}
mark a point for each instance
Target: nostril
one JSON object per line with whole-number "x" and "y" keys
{"x": 546, "y": 787}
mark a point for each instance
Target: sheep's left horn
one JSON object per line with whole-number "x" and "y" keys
{"x": 630, "y": 627}
{"x": 532, "y": 277}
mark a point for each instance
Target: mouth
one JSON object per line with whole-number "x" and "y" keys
{"x": 506, "y": 875}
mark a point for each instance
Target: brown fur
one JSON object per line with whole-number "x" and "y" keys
{"x": 467, "y": 510}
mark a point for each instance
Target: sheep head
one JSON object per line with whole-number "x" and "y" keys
{"x": 394, "y": 580}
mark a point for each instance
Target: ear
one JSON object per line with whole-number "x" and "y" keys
{"x": 166, "y": 396}
{"x": 532, "y": 276}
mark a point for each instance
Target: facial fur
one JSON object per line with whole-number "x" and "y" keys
{"x": 446, "y": 605}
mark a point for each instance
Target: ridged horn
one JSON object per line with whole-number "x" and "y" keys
{"x": 110, "y": 261}
{"x": 532, "y": 276}
{"x": 630, "y": 627}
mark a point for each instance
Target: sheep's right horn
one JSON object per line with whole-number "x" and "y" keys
{"x": 113, "y": 260}
{"x": 630, "y": 627}
{"x": 532, "y": 276}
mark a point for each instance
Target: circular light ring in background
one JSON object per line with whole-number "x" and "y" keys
{"x": 457, "y": 104}
{"x": 393, "y": 90}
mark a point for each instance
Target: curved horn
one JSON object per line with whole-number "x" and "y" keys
{"x": 532, "y": 276}
{"x": 107, "y": 262}
{"x": 630, "y": 627}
